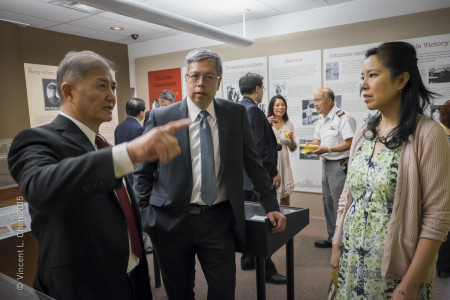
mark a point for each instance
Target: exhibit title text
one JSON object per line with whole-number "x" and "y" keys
{"x": 243, "y": 66}
{"x": 40, "y": 72}
{"x": 166, "y": 83}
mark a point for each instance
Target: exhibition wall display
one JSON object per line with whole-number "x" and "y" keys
{"x": 296, "y": 76}
{"x": 44, "y": 100}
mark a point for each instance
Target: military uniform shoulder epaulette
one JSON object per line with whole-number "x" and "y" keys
{"x": 340, "y": 113}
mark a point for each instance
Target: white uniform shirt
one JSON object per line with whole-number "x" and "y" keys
{"x": 332, "y": 130}
{"x": 194, "y": 140}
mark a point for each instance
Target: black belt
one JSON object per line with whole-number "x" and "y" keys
{"x": 197, "y": 209}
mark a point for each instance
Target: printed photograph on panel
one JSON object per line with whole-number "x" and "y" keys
{"x": 52, "y": 99}
{"x": 309, "y": 113}
{"x": 434, "y": 113}
{"x": 233, "y": 93}
{"x": 439, "y": 74}
{"x": 332, "y": 71}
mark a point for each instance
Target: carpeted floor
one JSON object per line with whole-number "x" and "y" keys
{"x": 311, "y": 267}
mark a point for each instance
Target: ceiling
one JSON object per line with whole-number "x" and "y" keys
{"x": 72, "y": 18}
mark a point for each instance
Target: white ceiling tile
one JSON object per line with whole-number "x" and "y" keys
{"x": 42, "y": 10}
{"x": 46, "y": 15}
{"x": 187, "y": 9}
{"x": 132, "y": 21}
{"x": 33, "y": 21}
{"x": 105, "y": 24}
{"x": 310, "y": 4}
{"x": 80, "y": 31}
{"x": 222, "y": 22}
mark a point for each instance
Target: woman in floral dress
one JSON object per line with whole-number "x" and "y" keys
{"x": 284, "y": 132}
{"x": 394, "y": 211}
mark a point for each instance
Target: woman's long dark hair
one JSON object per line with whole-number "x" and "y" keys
{"x": 401, "y": 57}
{"x": 271, "y": 105}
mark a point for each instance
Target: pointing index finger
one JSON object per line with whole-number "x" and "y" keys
{"x": 173, "y": 126}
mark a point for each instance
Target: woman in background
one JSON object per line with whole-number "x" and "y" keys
{"x": 443, "y": 262}
{"x": 284, "y": 132}
{"x": 394, "y": 211}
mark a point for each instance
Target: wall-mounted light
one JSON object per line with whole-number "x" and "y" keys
{"x": 157, "y": 16}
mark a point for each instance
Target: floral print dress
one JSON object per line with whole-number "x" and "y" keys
{"x": 372, "y": 182}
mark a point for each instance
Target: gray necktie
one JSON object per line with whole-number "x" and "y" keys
{"x": 209, "y": 192}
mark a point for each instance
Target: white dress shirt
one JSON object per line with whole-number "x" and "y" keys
{"x": 194, "y": 140}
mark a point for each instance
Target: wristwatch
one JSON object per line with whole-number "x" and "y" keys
{"x": 329, "y": 149}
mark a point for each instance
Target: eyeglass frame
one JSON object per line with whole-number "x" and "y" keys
{"x": 212, "y": 78}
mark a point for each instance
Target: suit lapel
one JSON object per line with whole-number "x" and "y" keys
{"x": 183, "y": 135}
{"x": 223, "y": 133}
{"x": 71, "y": 132}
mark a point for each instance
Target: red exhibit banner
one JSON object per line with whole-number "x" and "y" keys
{"x": 169, "y": 79}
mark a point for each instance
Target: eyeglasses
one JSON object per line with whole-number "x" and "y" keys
{"x": 207, "y": 78}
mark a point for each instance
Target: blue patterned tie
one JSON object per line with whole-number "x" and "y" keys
{"x": 209, "y": 192}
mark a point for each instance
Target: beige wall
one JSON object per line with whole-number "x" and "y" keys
{"x": 19, "y": 45}
{"x": 404, "y": 27}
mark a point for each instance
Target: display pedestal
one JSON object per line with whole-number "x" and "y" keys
{"x": 262, "y": 243}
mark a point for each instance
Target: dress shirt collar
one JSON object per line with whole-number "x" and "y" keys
{"x": 332, "y": 112}
{"x": 193, "y": 109}
{"x": 86, "y": 130}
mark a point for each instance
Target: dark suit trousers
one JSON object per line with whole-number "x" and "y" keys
{"x": 211, "y": 237}
{"x": 135, "y": 286}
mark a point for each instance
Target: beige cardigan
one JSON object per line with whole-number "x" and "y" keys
{"x": 421, "y": 206}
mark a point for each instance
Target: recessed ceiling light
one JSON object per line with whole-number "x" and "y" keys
{"x": 117, "y": 28}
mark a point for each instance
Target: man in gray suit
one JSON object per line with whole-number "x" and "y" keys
{"x": 194, "y": 204}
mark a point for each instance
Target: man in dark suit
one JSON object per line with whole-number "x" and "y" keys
{"x": 194, "y": 204}
{"x": 252, "y": 89}
{"x": 166, "y": 98}
{"x": 131, "y": 127}
{"x": 82, "y": 208}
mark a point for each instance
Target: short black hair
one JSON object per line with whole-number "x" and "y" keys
{"x": 249, "y": 82}
{"x": 134, "y": 106}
